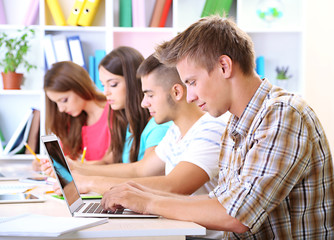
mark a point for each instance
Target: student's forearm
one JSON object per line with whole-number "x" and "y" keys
{"x": 109, "y": 170}
{"x": 204, "y": 211}
{"x": 100, "y": 184}
{"x": 162, "y": 184}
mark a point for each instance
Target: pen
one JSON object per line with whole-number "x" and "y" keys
{"x": 32, "y": 152}
{"x": 30, "y": 189}
{"x": 83, "y": 154}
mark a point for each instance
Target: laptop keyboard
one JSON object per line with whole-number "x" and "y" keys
{"x": 97, "y": 208}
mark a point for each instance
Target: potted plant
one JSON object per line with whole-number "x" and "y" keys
{"x": 282, "y": 76}
{"x": 12, "y": 55}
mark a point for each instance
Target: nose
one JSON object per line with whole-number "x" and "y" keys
{"x": 191, "y": 95}
{"x": 144, "y": 103}
{"x": 106, "y": 91}
{"x": 61, "y": 108}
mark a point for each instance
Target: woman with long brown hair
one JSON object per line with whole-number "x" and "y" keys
{"x": 77, "y": 112}
{"x": 134, "y": 132}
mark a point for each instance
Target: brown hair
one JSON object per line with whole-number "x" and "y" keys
{"x": 62, "y": 77}
{"x": 206, "y": 40}
{"x": 167, "y": 76}
{"x": 124, "y": 61}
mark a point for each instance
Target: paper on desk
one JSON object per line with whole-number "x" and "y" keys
{"x": 31, "y": 225}
{"x": 15, "y": 188}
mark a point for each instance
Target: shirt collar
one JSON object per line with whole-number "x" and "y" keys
{"x": 240, "y": 126}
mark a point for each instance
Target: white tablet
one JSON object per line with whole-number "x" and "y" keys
{"x": 20, "y": 198}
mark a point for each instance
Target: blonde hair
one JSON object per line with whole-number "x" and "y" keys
{"x": 206, "y": 40}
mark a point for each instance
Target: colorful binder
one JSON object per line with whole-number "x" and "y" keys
{"x": 50, "y": 55}
{"x": 32, "y": 13}
{"x": 2, "y": 13}
{"x": 75, "y": 12}
{"x": 125, "y": 13}
{"x": 61, "y": 48}
{"x": 76, "y": 52}
{"x": 56, "y": 12}
{"x": 88, "y": 13}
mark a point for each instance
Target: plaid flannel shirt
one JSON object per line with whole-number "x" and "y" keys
{"x": 276, "y": 169}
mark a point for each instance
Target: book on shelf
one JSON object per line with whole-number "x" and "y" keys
{"x": 34, "y": 132}
{"x": 91, "y": 67}
{"x": 157, "y": 12}
{"x": 49, "y": 51}
{"x": 223, "y": 7}
{"x": 2, "y": 13}
{"x": 16, "y": 143}
{"x": 61, "y": 49}
{"x": 35, "y": 225}
{"x": 56, "y": 12}
{"x": 31, "y": 13}
{"x": 125, "y": 13}
{"x": 88, "y": 13}
{"x": 138, "y": 13}
{"x": 2, "y": 141}
{"x": 165, "y": 12}
{"x": 76, "y": 52}
{"x": 260, "y": 66}
{"x": 99, "y": 55}
{"x": 220, "y": 7}
{"x": 75, "y": 12}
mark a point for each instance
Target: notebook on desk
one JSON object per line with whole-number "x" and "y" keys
{"x": 77, "y": 206}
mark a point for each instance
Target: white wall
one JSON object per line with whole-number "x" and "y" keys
{"x": 319, "y": 62}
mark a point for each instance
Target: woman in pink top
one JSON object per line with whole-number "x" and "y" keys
{"x": 77, "y": 112}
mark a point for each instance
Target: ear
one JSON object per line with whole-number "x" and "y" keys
{"x": 225, "y": 63}
{"x": 177, "y": 91}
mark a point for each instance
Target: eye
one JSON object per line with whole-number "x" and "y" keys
{"x": 113, "y": 85}
{"x": 64, "y": 100}
{"x": 192, "y": 83}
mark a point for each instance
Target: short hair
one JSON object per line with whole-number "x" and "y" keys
{"x": 206, "y": 40}
{"x": 167, "y": 76}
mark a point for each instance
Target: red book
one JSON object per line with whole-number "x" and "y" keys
{"x": 157, "y": 11}
{"x": 165, "y": 12}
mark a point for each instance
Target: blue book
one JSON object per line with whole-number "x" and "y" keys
{"x": 99, "y": 55}
{"x": 91, "y": 67}
{"x": 260, "y": 66}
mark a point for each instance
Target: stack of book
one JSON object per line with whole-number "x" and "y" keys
{"x": 132, "y": 13}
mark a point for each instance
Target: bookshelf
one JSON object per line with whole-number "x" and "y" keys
{"x": 281, "y": 43}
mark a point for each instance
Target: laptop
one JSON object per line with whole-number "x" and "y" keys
{"x": 76, "y": 205}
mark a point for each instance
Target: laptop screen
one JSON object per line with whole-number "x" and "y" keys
{"x": 62, "y": 171}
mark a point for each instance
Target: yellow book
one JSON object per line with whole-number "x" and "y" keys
{"x": 88, "y": 13}
{"x": 76, "y": 12}
{"x": 56, "y": 12}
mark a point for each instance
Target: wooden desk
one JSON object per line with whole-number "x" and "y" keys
{"x": 144, "y": 229}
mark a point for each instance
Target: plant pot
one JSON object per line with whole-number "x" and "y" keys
{"x": 283, "y": 83}
{"x": 12, "y": 80}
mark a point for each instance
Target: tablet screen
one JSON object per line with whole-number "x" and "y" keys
{"x": 20, "y": 198}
